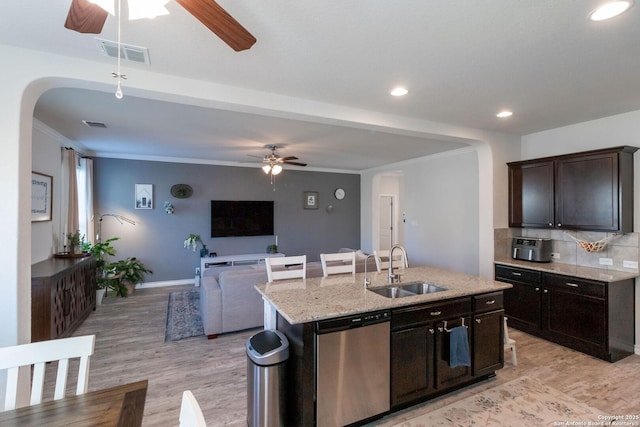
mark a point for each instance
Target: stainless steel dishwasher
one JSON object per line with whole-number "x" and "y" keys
{"x": 352, "y": 368}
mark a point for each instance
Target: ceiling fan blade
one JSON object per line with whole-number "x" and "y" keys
{"x": 295, "y": 163}
{"x": 85, "y": 17}
{"x": 284, "y": 159}
{"x": 214, "y": 17}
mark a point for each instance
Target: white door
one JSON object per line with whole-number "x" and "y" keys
{"x": 386, "y": 222}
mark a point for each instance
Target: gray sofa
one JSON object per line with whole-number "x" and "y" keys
{"x": 229, "y": 301}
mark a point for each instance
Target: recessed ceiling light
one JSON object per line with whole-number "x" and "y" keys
{"x": 610, "y": 10}
{"x": 399, "y": 91}
{"x": 503, "y": 114}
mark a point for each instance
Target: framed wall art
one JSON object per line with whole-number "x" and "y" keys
{"x": 144, "y": 196}
{"x": 41, "y": 196}
{"x": 311, "y": 200}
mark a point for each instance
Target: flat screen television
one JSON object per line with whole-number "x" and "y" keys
{"x": 233, "y": 218}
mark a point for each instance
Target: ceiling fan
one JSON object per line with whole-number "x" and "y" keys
{"x": 273, "y": 163}
{"x": 87, "y": 17}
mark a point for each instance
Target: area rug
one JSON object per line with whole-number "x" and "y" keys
{"x": 521, "y": 402}
{"x": 183, "y": 316}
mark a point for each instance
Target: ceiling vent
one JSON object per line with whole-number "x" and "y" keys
{"x": 91, "y": 124}
{"x": 127, "y": 51}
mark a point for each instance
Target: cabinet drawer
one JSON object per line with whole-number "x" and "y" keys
{"x": 420, "y": 314}
{"x": 487, "y": 302}
{"x": 517, "y": 274}
{"x": 575, "y": 285}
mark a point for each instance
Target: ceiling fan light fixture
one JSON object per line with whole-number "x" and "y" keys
{"x": 266, "y": 169}
{"x": 610, "y": 10}
{"x": 107, "y": 5}
{"x": 139, "y": 9}
{"x": 276, "y": 169}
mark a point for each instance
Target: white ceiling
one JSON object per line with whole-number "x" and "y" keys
{"x": 462, "y": 61}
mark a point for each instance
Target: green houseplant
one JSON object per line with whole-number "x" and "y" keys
{"x": 100, "y": 251}
{"x": 76, "y": 240}
{"x": 129, "y": 271}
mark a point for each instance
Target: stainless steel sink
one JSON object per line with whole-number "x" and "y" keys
{"x": 392, "y": 292}
{"x": 407, "y": 289}
{"x": 422, "y": 288}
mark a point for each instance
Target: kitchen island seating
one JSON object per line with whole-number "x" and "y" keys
{"x": 382, "y": 260}
{"x": 279, "y": 268}
{"x": 190, "y": 412}
{"x": 337, "y": 263}
{"x": 38, "y": 354}
{"x": 510, "y": 344}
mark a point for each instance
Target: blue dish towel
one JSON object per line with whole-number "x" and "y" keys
{"x": 459, "y": 347}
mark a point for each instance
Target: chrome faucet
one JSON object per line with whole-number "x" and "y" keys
{"x": 393, "y": 278}
{"x": 367, "y": 282}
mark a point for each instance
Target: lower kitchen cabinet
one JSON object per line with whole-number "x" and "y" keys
{"x": 420, "y": 343}
{"x": 590, "y": 316}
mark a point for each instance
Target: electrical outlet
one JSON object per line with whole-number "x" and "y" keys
{"x": 197, "y": 271}
{"x": 555, "y": 255}
{"x": 606, "y": 261}
{"x": 630, "y": 264}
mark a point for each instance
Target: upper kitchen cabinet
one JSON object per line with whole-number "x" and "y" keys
{"x": 584, "y": 191}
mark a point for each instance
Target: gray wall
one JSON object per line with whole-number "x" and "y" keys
{"x": 157, "y": 238}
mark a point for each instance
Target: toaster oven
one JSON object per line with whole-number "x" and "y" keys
{"x": 531, "y": 249}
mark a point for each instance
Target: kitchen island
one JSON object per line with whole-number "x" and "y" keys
{"x": 416, "y": 357}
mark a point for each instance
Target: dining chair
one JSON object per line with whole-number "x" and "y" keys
{"x": 382, "y": 260}
{"x": 337, "y": 263}
{"x": 281, "y": 272}
{"x": 509, "y": 344}
{"x": 190, "y": 412}
{"x": 38, "y": 354}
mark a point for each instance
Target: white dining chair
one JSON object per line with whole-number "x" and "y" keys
{"x": 38, "y": 354}
{"x": 510, "y": 344}
{"x": 382, "y": 260}
{"x": 338, "y": 263}
{"x": 277, "y": 267}
{"x": 190, "y": 412}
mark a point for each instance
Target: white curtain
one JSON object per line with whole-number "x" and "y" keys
{"x": 84, "y": 173}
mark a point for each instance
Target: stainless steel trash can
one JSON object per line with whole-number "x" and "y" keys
{"x": 267, "y": 352}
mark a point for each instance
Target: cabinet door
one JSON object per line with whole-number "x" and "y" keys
{"x": 575, "y": 320}
{"x": 587, "y": 192}
{"x": 488, "y": 345}
{"x": 522, "y": 305}
{"x": 446, "y": 376}
{"x": 531, "y": 196}
{"x": 412, "y": 370}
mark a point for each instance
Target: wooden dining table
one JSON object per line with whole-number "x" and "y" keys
{"x": 120, "y": 406}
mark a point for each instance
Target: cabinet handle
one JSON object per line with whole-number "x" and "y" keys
{"x": 550, "y": 224}
{"x": 478, "y": 321}
{"x": 436, "y": 313}
{"x": 490, "y": 302}
{"x": 559, "y": 225}
{"x": 432, "y": 331}
{"x": 440, "y": 328}
{"x": 546, "y": 291}
{"x": 573, "y": 285}
{"x": 513, "y": 273}
{"x": 537, "y": 289}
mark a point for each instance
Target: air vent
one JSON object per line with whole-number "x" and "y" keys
{"x": 127, "y": 52}
{"x": 94, "y": 124}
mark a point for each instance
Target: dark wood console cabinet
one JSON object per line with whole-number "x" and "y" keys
{"x": 63, "y": 293}
{"x": 590, "y": 316}
{"x": 584, "y": 191}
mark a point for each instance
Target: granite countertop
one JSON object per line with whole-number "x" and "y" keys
{"x": 590, "y": 273}
{"x": 302, "y": 301}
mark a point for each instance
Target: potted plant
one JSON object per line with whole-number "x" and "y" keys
{"x": 192, "y": 241}
{"x": 101, "y": 250}
{"x": 76, "y": 240}
{"x": 129, "y": 272}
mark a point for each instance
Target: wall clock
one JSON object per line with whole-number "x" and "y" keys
{"x": 339, "y": 193}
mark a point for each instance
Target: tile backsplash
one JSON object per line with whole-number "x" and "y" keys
{"x": 620, "y": 247}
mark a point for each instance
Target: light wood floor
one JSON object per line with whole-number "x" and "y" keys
{"x": 130, "y": 347}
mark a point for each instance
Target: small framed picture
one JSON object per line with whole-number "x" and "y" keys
{"x": 144, "y": 196}
{"x": 41, "y": 196}
{"x": 311, "y": 200}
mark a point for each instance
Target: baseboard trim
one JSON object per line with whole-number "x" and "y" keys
{"x": 147, "y": 285}
{"x": 636, "y": 349}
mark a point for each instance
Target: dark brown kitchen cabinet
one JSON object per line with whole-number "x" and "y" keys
{"x": 584, "y": 191}
{"x": 412, "y": 364}
{"x": 447, "y": 377}
{"x": 63, "y": 293}
{"x": 488, "y": 331}
{"x": 590, "y": 316}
